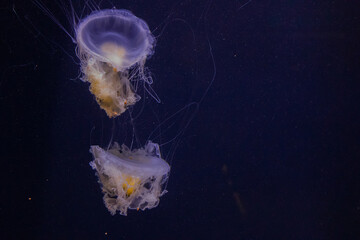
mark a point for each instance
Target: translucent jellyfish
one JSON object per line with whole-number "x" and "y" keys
{"x": 112, "y": 46}
{"x": 130, "y": 179}
{"x": 110, "y": 43}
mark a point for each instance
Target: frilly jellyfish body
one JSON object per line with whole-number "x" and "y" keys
{"x": 110, "y": 43}
{"x": 130, "y": 179}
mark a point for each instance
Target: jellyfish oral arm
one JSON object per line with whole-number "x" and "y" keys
{"x": 112, "y": 89}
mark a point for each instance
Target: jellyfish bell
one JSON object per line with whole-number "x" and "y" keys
{"x": 116, "y": 37}
{"x": 110, "y": 43}
{"x": 130, "y": 179}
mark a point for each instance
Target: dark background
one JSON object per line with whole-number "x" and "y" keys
{"x": 271, "y": 153}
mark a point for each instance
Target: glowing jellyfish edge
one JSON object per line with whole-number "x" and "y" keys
{"x": 130, "y": 179}
{"x": 110, "y": 43}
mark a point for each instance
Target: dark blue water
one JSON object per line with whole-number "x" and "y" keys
{"x": 272, "y": 151}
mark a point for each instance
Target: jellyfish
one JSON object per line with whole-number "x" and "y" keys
{"x": 130, "y": 179}
{"x": 110, "y": 43}
{"x": 112, "y": 46}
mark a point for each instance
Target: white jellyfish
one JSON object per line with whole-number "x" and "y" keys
{"x": 110, "y": 43}
{"x": 130, "y": 179}
{"x": 112, "y": 46}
